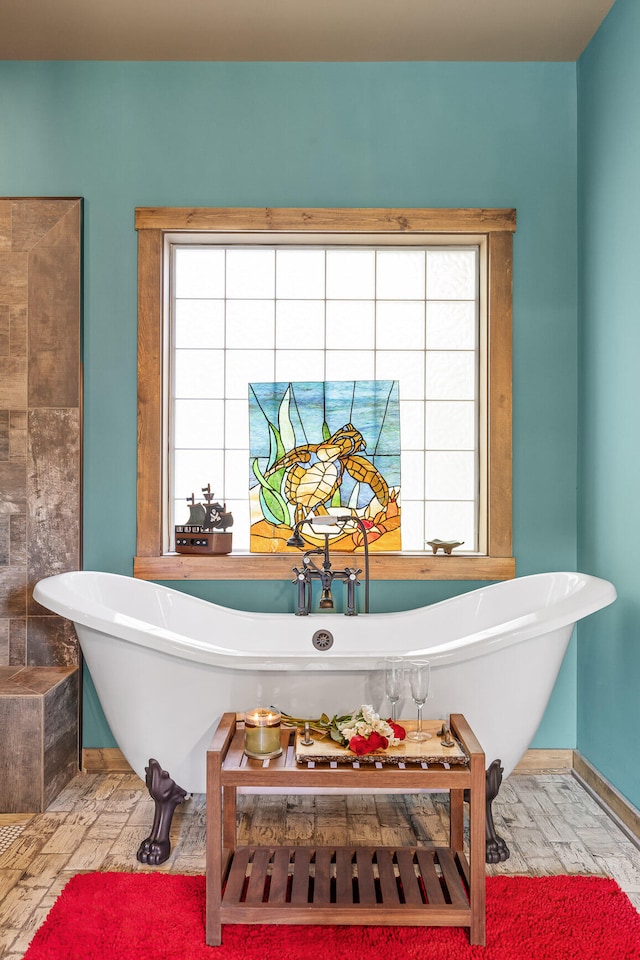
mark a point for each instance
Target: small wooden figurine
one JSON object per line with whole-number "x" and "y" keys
{"x": 446, "y": 545}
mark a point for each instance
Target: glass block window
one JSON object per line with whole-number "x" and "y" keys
{"x": 243, "y": 312}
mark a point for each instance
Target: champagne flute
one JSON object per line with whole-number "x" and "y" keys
{"x": 419, "y": 679}
{"x": 393, "y": 680}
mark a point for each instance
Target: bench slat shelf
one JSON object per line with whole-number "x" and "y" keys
{"x": 427, "y": 885}
{"x": 289, "y": 882}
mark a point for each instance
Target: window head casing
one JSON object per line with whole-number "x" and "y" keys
{"x": 267, "y": 235}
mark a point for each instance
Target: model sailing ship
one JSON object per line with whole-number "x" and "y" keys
{"x": 206, "y": 529}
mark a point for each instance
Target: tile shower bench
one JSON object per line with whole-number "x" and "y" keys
{"x": 427, "y": 885}
{"x": 39, "y": 742}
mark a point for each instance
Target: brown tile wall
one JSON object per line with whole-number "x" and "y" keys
{"x": 40, "y": 422}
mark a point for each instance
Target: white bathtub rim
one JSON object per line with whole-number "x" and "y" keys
{"x": 58, "y": 594}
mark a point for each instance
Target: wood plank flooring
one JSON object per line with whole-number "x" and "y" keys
{"x": 551, "y": 824}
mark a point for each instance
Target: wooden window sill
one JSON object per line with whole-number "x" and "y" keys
{"x": 383, "y": 566}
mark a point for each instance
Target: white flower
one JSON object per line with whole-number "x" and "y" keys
{"x": 369, "y": 714}
{"x": 363, "y": 722}
{"x": 348, "y": 732}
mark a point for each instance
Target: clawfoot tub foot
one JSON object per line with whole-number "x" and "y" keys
{"x": 497, "y": 850}
{"x": 166, "y": 794}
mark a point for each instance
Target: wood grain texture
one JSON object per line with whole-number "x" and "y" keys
{"x": 546, "y": 761}
{"x": 4, "y": 434}
{"x": 243, "y": 894}
{"x": 53, "y": 494}
{"x": 17, "y": 539}
{"x": 13, "y": 491}
{"x": 13, "y": 382}
{"x": 54, "y": 315}
{"x": 150, "y": 343}
{"x": 13, "y": 591}
{"x": 51, "y": 641}
{"x": 4, "y": 642}
{"x": 18, "y": 640}
{"x": 39, "y": 707}
{"x": 5, "y": 539}
{"x": 278, "y": 567}
{"x": 60, "y": 736}
{"x": 14, "y": 276}
{"x": 18, "y": 435}
{"x": 22, "y": 791}
{"x": 18, "y": 330}
{"x": 429, "y": 751}
{"x": 362, "y": 219}
{"x": 500, "y": 263}
{"x": 104, "y": 760}
{"x": 5, "y": 226}
{"x": 33, "y": 218}
{"x": 40, "y": 499}
{"x": 39, "y": 409}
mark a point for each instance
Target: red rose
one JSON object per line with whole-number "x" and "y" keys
{"x": 359, "y": 745}
{"x": 362, "y": 745}
{"x": 377, "y": 741}
{"x": 398, "y": 731}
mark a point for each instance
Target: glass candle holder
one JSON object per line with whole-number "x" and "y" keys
{"x": 262, "y": 733}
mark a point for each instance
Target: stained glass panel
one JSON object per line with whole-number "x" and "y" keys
{"x": 324, "y": 447}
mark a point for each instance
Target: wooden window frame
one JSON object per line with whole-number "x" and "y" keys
{"x": 495, "y": 227}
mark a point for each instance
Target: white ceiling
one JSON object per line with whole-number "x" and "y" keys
{"x": 298, "y": 30}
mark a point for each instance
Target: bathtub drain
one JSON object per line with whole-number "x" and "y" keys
{"x": 322, "y": 639}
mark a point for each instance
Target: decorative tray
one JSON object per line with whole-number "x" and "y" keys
{"x": 409, "y": 751}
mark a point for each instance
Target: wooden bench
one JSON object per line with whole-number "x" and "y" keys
{"x": 427, "y": 885}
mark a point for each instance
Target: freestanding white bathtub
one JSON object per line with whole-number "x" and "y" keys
{"x": 167, "y": 665}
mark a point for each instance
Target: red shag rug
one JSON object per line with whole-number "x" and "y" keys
{"x": 159, "y": 916}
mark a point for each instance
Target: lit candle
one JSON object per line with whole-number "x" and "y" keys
{"x": 262, "y": 733}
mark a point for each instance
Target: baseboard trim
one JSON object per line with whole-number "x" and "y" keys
{"x": 104, "y": 760}
{"x": 545, "y": 761}
{"x": 621, "y": 810}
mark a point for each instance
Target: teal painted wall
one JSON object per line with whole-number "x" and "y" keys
{"x": 401, "y": 134}
{"x": 609, "y": 465}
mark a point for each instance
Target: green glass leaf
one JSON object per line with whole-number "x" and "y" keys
{"x": 273, "y": 505}
{"x": 326, "y": 433}
{"x": 276, "y": 450}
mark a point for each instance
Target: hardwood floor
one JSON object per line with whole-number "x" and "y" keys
{"x": 551, "y": 824}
